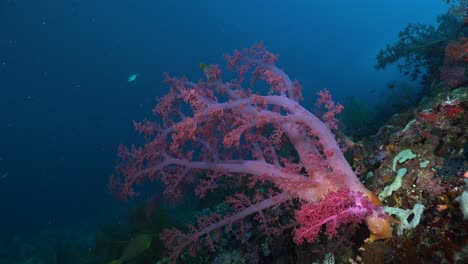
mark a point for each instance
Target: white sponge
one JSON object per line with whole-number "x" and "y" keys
{"x": 403, "y": 216}
{"x": 463, "y": 201}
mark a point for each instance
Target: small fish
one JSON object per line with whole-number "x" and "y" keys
{"x": 204, "y": 67}
{"x": 372, "y": 91}
{"x": 4, "y": 175}
{"x": 134, "y": 248}
{"x": 132, "y": 77}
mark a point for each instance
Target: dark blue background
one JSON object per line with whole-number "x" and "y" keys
{"x": 66, "y": 105}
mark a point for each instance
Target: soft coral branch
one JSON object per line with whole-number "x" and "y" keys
{"x": 334, "y": 209}
{"x": 177, "y": 241}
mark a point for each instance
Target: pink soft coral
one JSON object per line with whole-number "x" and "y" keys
{"x": 337, "y": 208}
{"x": 216, "y": 135}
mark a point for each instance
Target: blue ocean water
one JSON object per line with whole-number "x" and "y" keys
{"x": 66, "y": 100}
